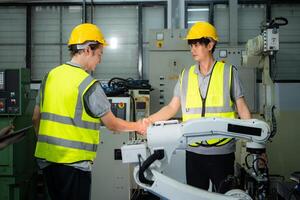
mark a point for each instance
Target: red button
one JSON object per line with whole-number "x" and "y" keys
{"x": 121, "y": 105}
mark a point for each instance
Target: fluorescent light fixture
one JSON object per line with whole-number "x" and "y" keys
{"x": 113, "y": 43}
{"x": 197, "y": 9}
{"x": 193, "y": 22}
{"x": 74, "y": 9}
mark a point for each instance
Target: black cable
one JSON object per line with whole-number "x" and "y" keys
{"x": 140, "y": 162}
{"x": 273, "y": 71}
{"x": 113, "y": 79}
{"x": 265, "y": 164}
{"x": 230, "y": 179}
{"x": 157, "y": 155}
{"x": 274, "y": 123}
{"x": 215, "y": 144}
{"x": 265, "y": 174}
{"x": 129, "y": 83}
{"x": 246, "y": 161}
{"x": 134, "y": 195}
{"x": 118, "y": 86}
{"x": 278, "y": 21}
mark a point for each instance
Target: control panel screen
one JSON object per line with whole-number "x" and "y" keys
{"x": 140, "y": 105}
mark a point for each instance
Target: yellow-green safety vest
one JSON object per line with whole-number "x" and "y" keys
{"x": 217, "y": 103}
{"x": 67, "y": 134}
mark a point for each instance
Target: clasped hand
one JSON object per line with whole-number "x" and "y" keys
{"x": 143, "y": 125}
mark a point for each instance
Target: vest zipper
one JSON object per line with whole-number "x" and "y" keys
{"x": 204, "y": 99}
{"x": 203, "y": 106}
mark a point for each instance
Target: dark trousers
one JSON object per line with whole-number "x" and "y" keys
{"x": 67, "y": 183}
{"x": 202, "y": 168}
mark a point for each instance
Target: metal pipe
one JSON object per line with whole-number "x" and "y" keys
{"x": 83, "y": 17}
{"x": 140, "y": 41}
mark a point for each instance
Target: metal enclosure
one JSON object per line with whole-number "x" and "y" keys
{"x": 141, "y": 105}
{"x": 168, "y": 55}
{"x": 17, "y": 164}
{"x": 110, "y": 177}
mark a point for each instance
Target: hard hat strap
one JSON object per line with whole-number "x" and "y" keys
{"x": 83, "y": 46}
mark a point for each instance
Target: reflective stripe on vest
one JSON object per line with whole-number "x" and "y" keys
{"x": 217, "y": 102}
{"x": 67, "y": 133}
{"x": 67, "y": 143}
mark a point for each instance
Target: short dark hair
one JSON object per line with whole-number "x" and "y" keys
{"x": 74, "y": 50}
{"x": 203, "y": 41}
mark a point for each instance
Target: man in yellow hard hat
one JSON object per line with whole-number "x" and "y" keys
{"x": 70, "y": 106}
{"x": 207, "y": 89}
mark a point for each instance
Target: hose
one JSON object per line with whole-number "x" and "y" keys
{"x": 157, "y": 155}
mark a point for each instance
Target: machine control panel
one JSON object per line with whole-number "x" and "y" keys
{"x": 120, "y": 107}
{"x": 141, "y": 107}
{"x": 10, "y": 92}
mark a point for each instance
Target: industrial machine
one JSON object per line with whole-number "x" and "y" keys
{"x": 17, "y": 166}
{"x": 130, "y": 100}
{"x": 138, "y": 90}
{"x": 111, "y": 178}
{"x": 261, "y": 53}
{"x": 168, "y": 49}
{"x": 163, "y": 138}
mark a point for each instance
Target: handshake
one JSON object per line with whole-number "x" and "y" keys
{"x": 142, "y": 125}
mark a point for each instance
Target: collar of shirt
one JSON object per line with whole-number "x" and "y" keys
{"x": 73, "y": 64}
{"x": 197, "y": 70}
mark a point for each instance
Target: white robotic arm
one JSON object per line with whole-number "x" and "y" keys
{"x": 165, "y": 137}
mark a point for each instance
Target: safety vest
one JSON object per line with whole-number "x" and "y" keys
{"x": 67, "y": 134}
{"x": 216, "y": 103}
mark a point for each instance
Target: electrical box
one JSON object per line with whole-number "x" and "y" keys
{"x": 141, "y": 104}
{"x": 271, "y": 39}
{"x": 17, "y": 163}
{"x": 120, "y": 107}
{"x": 133, "y": 148}
{"x": 12, "y": 87}
{"x": 165, "y": 64}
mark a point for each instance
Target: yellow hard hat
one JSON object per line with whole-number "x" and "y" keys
{"x": 86, "y": 32}
{"x": 202, "y": 29}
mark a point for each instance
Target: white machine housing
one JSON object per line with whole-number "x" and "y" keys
{"x": 171, "y": 135}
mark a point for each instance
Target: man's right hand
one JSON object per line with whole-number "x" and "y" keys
{"x": 144, "y": 124}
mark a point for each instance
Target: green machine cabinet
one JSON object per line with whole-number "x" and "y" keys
{"x": 17, "y": 165}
